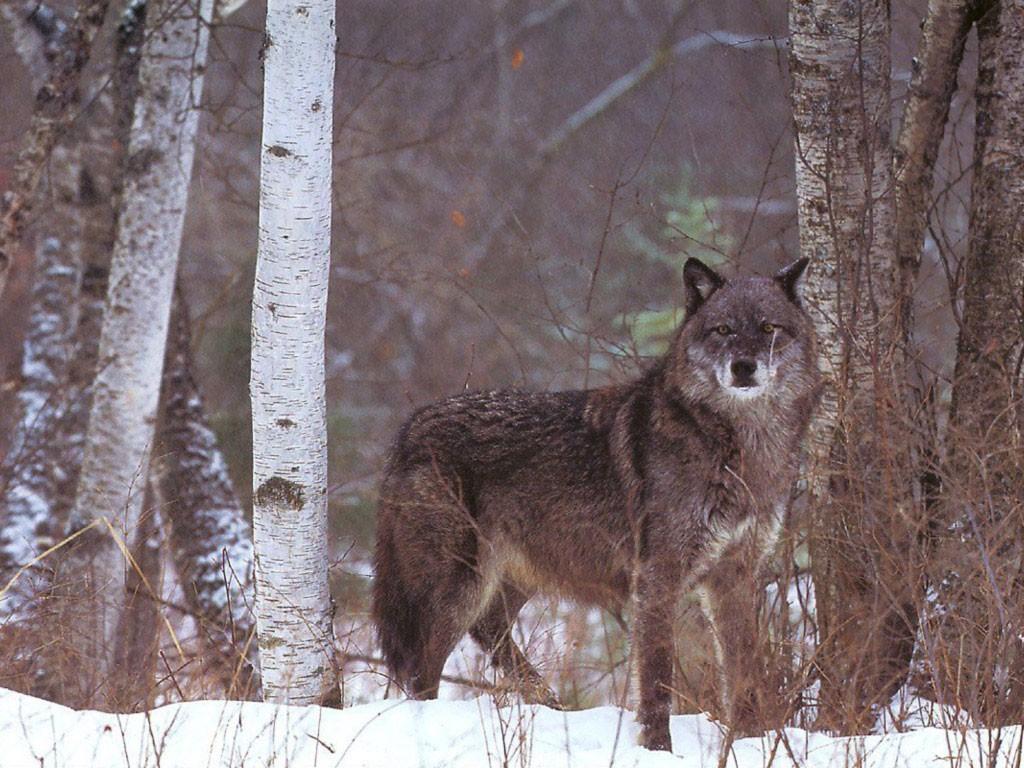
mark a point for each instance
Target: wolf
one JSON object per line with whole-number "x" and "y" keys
{"x": 677, "y": 481}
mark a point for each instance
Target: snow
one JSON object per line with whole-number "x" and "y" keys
{"x": 397, "y": 733}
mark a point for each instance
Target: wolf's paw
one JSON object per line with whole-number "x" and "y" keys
{"x": 656, "y": 738}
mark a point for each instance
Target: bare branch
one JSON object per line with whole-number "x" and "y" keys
{"x": 643, "y": 72}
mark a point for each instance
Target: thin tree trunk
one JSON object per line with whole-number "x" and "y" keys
{"x": 293, "y": 607}
{"x": 138, "y": 642}
{"x": 51, "y": 118}
{"x": 986, "y": 492}
{"x": 33, "y": 478}
{"x": 841, "y": 104}
{"x": 106, "y": 127}
{"x": 932, "y": 85}
{"x": 37, "y": 466}
{"x": 211, "y": 541}
{"x": 127, "y": 385}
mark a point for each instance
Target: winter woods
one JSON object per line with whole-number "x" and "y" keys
{"x": 496, "y": 195}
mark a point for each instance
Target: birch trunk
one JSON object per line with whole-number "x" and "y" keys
{"x": 293, "y": 606}
{"x": 841, "y": 104}
{"x": 985, "y": 491}
{"x": 106, "y": 127}
{"x": 61, "y": 345}
{"x": 127, "y": 385}
{"x": 211, "y": 541}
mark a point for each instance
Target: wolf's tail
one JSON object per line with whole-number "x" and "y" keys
{"x": 394, "y": 612}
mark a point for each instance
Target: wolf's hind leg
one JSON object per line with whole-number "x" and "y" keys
{"x": 444, "y": 625}
{"x": 493, "y": 631}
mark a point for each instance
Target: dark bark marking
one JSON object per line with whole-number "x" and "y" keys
{"x": 280, "y": 492}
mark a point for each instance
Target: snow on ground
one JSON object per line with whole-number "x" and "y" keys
{"x": 397, "y": 733}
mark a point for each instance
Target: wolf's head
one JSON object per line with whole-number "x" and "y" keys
{"x": 746, "y": 343}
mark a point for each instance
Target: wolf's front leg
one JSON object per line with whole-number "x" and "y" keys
{"x": 729, "y": 600}
{"x": 657, "y": 595}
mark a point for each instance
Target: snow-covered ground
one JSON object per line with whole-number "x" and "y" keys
{"x": 398, "y": 733}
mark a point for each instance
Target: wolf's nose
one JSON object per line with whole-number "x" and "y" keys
{"x": 743, "y": 373}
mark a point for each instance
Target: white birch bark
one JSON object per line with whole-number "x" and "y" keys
{"x": 840, "y": 66}
{"x": 293, "y": 606}
{"x": 127, "y": 386}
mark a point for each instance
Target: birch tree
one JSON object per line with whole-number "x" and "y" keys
{"x": 293, "y": 607}
{"x": 984, "y": 487}
{"x": 841, "y": 105}
{"x": 934, "y": 80}
{"x": 76, "y": 232}
{"x": 875, "y": 545}
{"x": 127, "y": 385}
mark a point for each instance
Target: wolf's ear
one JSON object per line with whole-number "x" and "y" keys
{"x": 700, "y": 282}
{"x": 788, "y": 278}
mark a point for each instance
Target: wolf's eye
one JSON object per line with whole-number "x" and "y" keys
{"x": 723, "y": 330}
{"x": 769, "y": 327}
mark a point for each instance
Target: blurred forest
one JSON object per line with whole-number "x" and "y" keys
{"x": 517, "y": 184}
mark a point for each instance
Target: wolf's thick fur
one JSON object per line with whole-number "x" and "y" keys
{"x": 678, "y": 480}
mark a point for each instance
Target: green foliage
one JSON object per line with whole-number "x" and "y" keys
{"x": 685, "y": 229}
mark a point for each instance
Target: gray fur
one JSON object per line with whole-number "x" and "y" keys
{"x": 678, "y": 480}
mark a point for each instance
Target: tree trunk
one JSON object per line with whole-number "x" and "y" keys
{"x": 211, "y": 541}
{"x": 106, "y": 127}
{"x": 33, "y": 478}
{"x": 293, "y": 606}
{"x": 39, "y": 466}
{"x": 986, "y": 492}
{"x": 932, "y": 85}
{"x": 62, "y": 342}
{"x": 52, "y": 116}
{"x": 859, "y": 527}
{"x": 138, "y": 642}
{"x": 127, "y": 385}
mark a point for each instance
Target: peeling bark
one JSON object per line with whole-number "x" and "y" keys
{"x": 211, "y": 541}
{"x": 293, "y": 606}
